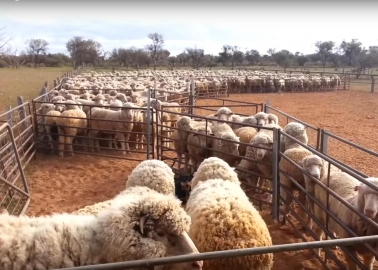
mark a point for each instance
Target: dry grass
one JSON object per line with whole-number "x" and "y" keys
{"x": 26, "y": 82}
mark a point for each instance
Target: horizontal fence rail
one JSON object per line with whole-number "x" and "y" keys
{"x": 225, "y": 254}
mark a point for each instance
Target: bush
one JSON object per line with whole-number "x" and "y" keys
{"x": 3, "y": 64}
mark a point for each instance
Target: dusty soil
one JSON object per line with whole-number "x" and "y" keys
{"x": 65, "y": 185}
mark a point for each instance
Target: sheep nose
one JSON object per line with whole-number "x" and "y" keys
{"x": 369, "y": 213}
{"x": 197, "y": 265}
{"x": 316, "y": 176}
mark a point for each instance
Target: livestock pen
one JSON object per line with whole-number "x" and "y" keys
{"x": 196, "y": 111}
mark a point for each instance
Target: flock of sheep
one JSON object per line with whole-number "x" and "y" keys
{"x": 144, "y": 221}
{"x": 199, "y": 140}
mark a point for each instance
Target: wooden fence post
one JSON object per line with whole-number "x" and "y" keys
{"x": 9, "y": 115}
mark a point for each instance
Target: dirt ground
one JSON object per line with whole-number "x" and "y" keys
{"x": 65, "y": 185}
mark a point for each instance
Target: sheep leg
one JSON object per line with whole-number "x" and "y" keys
{"x": 121, "y": 136}
{"x": 301, "y": 212}
{"x": 286, "y": 197}
{"x": 368, "y": 261}
{"x": 93, "y": 142}
{"x": 69, "y": 140}
{"x": 61, "y": 141}
{"x": 351, "y": 265}
{"x": 110, "y": 143}
{"x": 319, "y": 233}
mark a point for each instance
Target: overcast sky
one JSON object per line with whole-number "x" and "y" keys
{"x": 291, "y": 25}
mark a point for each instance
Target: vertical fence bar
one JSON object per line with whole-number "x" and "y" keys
{"x": 372, "y": 88}
{"x": 148, "y": 139}
{"x": 324, "y": 142}
{"x": 191, "y": 96}
{"x": 275, "y": 174}
{"x": 266, "y": 107}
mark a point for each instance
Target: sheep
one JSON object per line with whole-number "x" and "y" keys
{"x": 245, "y": 134}
{"x": 212, "y": 168}
{"x": 296, "y": 153}
{"x": 317, "y": 168}
{"x": 154, "y": 174}
{"x": 223, "y": 114}
{"x": 180, "y": 138}
{"x": 223, "y": 218}
{"x": 143, "y": 227}
{"x": 121, "y": 124}
{"x": 364, "y": 200}
{"x": 272, "y": 118}
{"x": 263, "y": 138}
{"x": 98, "y": 100}
{"x": 223, "y": 148}
{"x": 201, "y": 144}
{"x": 122, "y": 97}
{"x": 68, "y": 128}
{"x": 262, "y": 118}
{"x": 50, "y": 117}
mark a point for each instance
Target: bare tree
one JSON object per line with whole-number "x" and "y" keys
{"x": 14, "y": 60}
{"x": 4, "y": 42}
{"x": 155, "y": 47}
{"x": 84, "y": 51}
{"x": 35, "y": 47}
{"x": 196, "y": 55}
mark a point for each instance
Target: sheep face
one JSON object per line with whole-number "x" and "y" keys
{"x": 314, "y": 166}
{"x": 99, "y": 99}
{"x": 46, "y": 107}
{"x": 230, "y": 147}
{"x": 263, "y": 140}
{"x": 261, "y": 118}
{"x": 367, "y": 198}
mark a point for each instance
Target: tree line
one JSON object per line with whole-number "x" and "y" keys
{"x": 88, "y": 52}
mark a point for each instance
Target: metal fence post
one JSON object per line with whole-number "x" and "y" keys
{"x": 372, "y": 84}
{"x": 267, "y": 103}
{"x": 191, "y": 96}
{"x": 148, "y": 139}
{"x": 324, "y": 142}
{"x": 275, "y": 175}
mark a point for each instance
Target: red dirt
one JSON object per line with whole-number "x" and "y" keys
{"x": 65, "y": 185}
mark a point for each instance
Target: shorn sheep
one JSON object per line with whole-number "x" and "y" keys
{"x": 365, "y": 200}
{"x": 144, "y": 227}
{"x": 223, "y": 218}
{"x": 71, "y": 122}
{"x": 120, "y": 124}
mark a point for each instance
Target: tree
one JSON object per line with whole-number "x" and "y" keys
{"x": 196, "y": 55}
{"x": 271, "y": 51}
{"x": 225, "y": 54}
{"x": 324, "y": 50}
{"x": 302, "y": 60}
{"x": 84, "y": 51}
{"x": 14, "y": 60}
{"x": 366, "y": 59}
{"x": 183, "y": 58}
{"x": 351, "y": 50}
{"x": 35, "y": 47}
{"x": 155, "y": 47}
{"x": 252, "y": 56}
{"x": 236, "y": 56}
{"x": 282, "y": 58}
{"x": 4, "y": 48}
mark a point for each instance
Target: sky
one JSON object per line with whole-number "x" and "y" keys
{"x": 260, "y": 25}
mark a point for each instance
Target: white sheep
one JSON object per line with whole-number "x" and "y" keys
{"x": 70, "y": 123}
{"x": 201, "y": 143}
{"x": 180, "y": 138}
{"x": 212, "y": 168}
{"x": 223, "y": 114}
{"x": 364, "y": 200}
{"x": 261, "y": 118}
{"x": 49, "y": 119}
{"x": 143, "y": 227}
{"x": 120, "y": 124}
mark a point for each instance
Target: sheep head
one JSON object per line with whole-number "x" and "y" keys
{"x": 261, "y": 118}
{"x": 99, "y": 99}
{"x": 232, "y": 145}
{"x": 314, "y": 165}
{"x": 367, "y": 198}
{"x": 258, "y": 141}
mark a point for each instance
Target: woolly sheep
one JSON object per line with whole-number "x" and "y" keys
{"x": 154, "y": 174}
{"x": 50, "y": 117}
{"x": 223, "y": 114}
{"x": 245, "y": 134}
{"x": 144, "y": 227}
{"x": 68, "y": 128}
{"x": 121, "y": 125}
{"x": 98, "y": 100}
{"x": 262, "y": 118}
{"x": 201, "y": 144}
{"x": 364, "y": 200}
{"x": 296, "y": 130}
{"x": 223, "y": 218}
{"x": 272, "y": 118}
{"x": 226, "y": 150}
{"x": 212, "y": 168}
